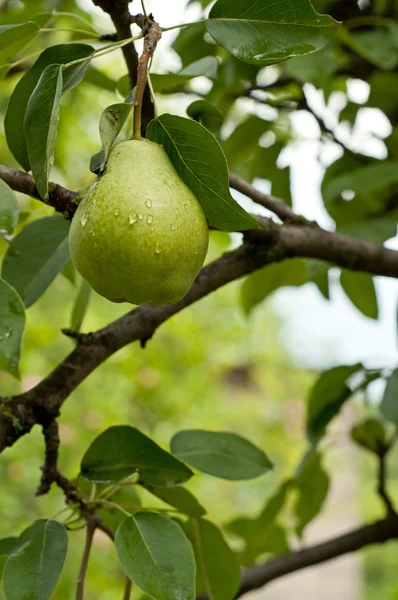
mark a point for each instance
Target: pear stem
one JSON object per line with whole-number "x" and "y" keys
{"x": 151, "y": 39}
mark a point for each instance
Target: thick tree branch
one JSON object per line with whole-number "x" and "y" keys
{"x": 259, "y": 575}
{"x": 273, "y": 244}
{"x": 60, "y": 198}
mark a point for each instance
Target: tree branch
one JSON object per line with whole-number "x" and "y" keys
{"x": 272, "y": 244}
{"x": 90, "y": 531}
{"x": 60, "y": 198}
{"x": 275, "y": 205}
{"x": 259, "y": 575}
{"x": 49, "y": 469}
{"x": 377, "y": 533}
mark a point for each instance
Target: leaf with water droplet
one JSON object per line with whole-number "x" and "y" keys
{"x": 12, "y": 324}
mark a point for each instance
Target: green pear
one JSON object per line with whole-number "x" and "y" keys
{"x": 139, "y": 234}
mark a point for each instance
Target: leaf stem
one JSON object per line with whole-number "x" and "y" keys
{"x": 143, "y": 8}
{"x": 90, "y": 530}
{"x": 150, "y": 42}
{"x": 184, "y": 25}
{"x": 101, "y": 52}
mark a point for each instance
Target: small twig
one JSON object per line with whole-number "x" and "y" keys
{"x": 150, "y": 42}
{"x": 275, "y": 205}
{"x": 51, "y": 439}
{"x": 90, "y": 530}
{"x": 381, "y": 487}
{"x": 127, "y": 589}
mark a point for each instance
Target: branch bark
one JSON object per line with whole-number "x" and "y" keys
{"x": 273, "y": 244}
{"x": 60, "y": 198}
{"x": 377, "y": 533}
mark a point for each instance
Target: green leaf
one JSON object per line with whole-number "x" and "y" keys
{"x": 36, "y": 256}
{"x": 11, "y": 545}
{"x": 378, "y": 46}
{"x": 262, "y": 283}
{"x": 192, "y": 44}
{"x": 221, "y": 454}
{"x": 100, "y": 79}
{"x": 156, "y": 555}
{"x": 33, "y": 573}
{"x": 263, "y": 535}
{"x": 370, "y": 434}
{"x": 206, "y": 114}
{"x": 389, "y": 403}
{"x": 379, "y": 82}
{"x": 14, "y": 119}
{"x": 377, "y": 231}
{"x": 80, "y": 306}
{"x": 312, "y": 484}
{"x": 166, "y": 83}
{"x": 15, "y": 37}
{"x": 242, "y": 148}
{"x": 318, "y": 68}
{"x": 69, "y": 272}
{"x": 12, "y": 324}
{"x": 122, "y": 450}
{"x": 180, "y": 498}
{"x": 266, "y": 33}
{"x": 126, "y": 498}
{"x": 200, "y": 162}
{"x": 371, "y": 185}
{"x": 360, "y": 289}
{"x": 111, "y": 122}
{"x": 41, "y": 125}
{"x": 218, "y": 570}
{"x": 318, "y": 273}
{"x": 9, "y": 210}
{"x": 326, "y": 399}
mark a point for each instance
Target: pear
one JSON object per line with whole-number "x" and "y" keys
{"x": 139, "y": 234}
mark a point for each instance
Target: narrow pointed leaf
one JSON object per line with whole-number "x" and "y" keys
{"x": 12, "y": 325}
{"x": 312, "y": 484}
{"x": 81, "y": 305}
{"x": 122, "y": 450}
{"x": 218, "y": 570}
{"x": 16, "y": 110}
{"x": 41, "y": 125}
{"x": 157, "y": 556}
{"x": 36, "y": 256}
{"x": 9, "y": 210}
{"x": 263, "y": 33}
{"x": 33, "y": 573}
{"x": 221, "y": 454}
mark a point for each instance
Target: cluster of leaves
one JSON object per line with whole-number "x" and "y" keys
{"x": 168, "y": 557}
